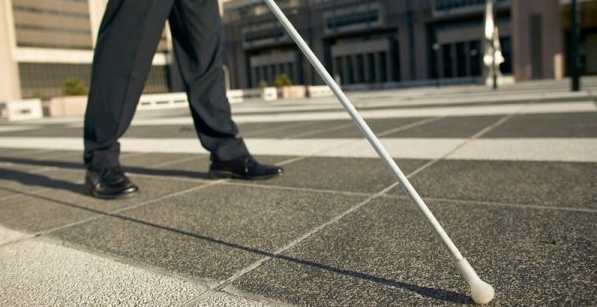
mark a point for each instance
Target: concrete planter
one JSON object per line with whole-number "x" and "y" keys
{"x": 65, "y": 106}
{"x": 293, "y": 91}
{"x": 21, "y": 109}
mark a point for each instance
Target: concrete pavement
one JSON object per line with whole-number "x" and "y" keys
{"x": 510, "y": 174}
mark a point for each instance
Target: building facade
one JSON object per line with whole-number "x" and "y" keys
{"x": 376, "y": 43}
{"x": 44, "y": 43}
{"x": 394, "y": 43}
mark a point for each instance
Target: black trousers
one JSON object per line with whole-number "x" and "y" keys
{"x": 128, "y": 38}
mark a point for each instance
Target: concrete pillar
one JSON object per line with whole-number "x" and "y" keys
{"x": 345, "y": 71}
{"x": 366, "y": 65}
{"x": 407, "y": 55}
{"x": 10, "y": 86}
{"x": 389, "y": 66}
{"x": 254, "y": 75}
{"x": 421, "y": 51}
{"x": 453, "y": 61}
{"x": 378, "y": 67}
{"x": 551, "y": 40}
{"x": 355, "y": 69}
{"x": 269, "y": 73}
{"x": 352, "y": 63}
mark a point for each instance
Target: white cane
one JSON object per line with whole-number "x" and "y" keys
{"x": 481, "y": 292}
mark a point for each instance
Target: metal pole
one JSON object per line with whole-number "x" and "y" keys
{"x": 493, "y": 46}
{"x": 574, "y": 44}
{"x": 436, "y": 48}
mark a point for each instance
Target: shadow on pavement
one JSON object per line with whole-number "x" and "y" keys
{"x": 48, "y": 182}
{"x": 36, "y": 179}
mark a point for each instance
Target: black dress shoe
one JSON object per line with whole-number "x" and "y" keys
{"x": 243, "y": 168}
{"x": 110, "y": 183}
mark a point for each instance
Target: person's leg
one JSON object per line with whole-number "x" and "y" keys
{"x": 128, "y": 37}
{"x": 127, "y": 40}
{"x": 197, "y": 33}
{"x": 196, "y": 38}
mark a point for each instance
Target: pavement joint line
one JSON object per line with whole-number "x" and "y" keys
{"x": 128, "y": 261}
{"x": 28, "y": 150}
{"x": 412, "y": 125}
{"x": 19, "y": 194}
{"x": 114, "y": 213}
{"x": 176, "y": 161}
{"x": 278, "y": 252}
{"x": 498, "y": 204}
{"x": 292, "y": 125}
{"x": 292, "y": 160}
{"x": 125, "y": 261}
{"x": 467, "y": 141}
{"x": 193, "y": 189}
{"x": 504, "y": 148}
{"x": 172, "y": 177}
{"x": 135, "y": 154}
{"x": 498, "y": 123}
{"x": 414, "y": 111}
{"x": 511, "y": 205}
{"x": 286, "y": 188}
{"x": 337, "y": 127}
{"x": 41, "y": 189}
{"x": 54, "y": 153}
{"x": 26, "y": 237}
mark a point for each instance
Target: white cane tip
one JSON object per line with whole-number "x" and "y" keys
{"x": 482, "y": 292}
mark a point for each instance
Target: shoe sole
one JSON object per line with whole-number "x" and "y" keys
{"x": 102, "y": 196}
{"x": 120, "y": 196}
{"x": 231, "y": 175}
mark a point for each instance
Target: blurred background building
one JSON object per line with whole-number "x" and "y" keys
{"x": 364, "y": 44}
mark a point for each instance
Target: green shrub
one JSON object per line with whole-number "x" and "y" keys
{"x": 74, "y": 87}
{"x": 263, "y": 84}
{"x": 282, "y": 80}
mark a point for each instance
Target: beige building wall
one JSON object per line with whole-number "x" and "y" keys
{"x": 10, "y": 87}
{"x": 96, "y": 12}
{"x": 538, "y": 40}
{"x": 221, "y": 3}
{"x": 44, "y": 43}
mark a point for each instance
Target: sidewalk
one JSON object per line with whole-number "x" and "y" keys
{"x": 511, "y": 175}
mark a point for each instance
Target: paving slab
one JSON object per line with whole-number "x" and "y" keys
{"x": 385, "y": 254}
{"x": 557, "y": 184}
{"x": 42, "y": 273}
{"x": 168, "y": 165}
{"x": 450, "y": 127}
{"x": 528, "y": 149}
{"x": 194, "y": 166}
{"x": 227, "y": 300}
{"x": 186, "y": 131}
{"x": 357, "y": 175}
{"x": 519, "y": 202}
{"x": 54, "y": 202}
{"x": 37, "y": 213}
{"x": 213, "y": 232}
{"x": 562, "y": 125}
{"x": 158, "y": 247}
{"x": 9, "y": 235}
{"x": 348, "y": 129}
{"x": 47, "y": 130}
{"x": 151, "y": 160}
{"x": 282, "y": 129}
